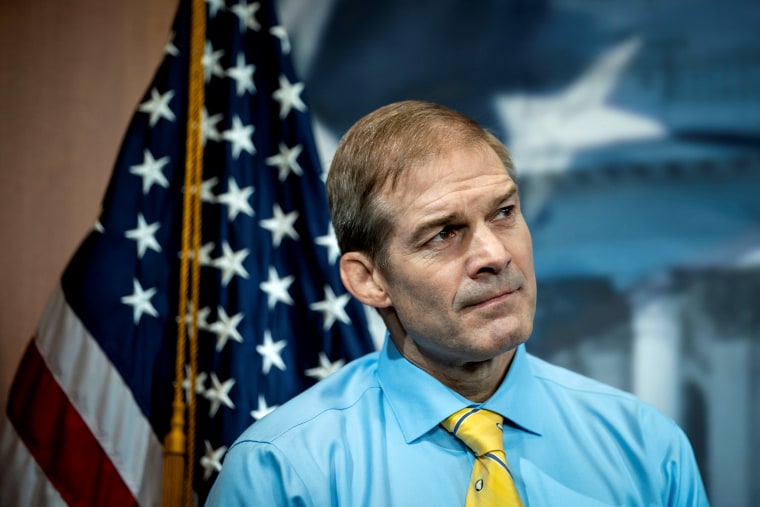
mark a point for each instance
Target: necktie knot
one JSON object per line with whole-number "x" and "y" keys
{"x": 479, "y": 429}
{"x": 491, "y": 482}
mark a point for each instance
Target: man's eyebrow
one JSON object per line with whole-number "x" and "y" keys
{"x": 435, "y": 223}
{"x": 509, "y": 194}
{"x": 425, "y": 227}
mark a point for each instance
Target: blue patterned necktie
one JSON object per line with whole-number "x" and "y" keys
{"x": 491, "y": 480}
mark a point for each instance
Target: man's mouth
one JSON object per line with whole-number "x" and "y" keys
{"x": 490, "y": 299}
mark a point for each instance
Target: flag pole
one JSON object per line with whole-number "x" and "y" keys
{"x": 179, "y": 447}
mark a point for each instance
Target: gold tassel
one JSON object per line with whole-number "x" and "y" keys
{"x": 174, "y": 458}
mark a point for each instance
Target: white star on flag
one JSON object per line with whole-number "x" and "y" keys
{"x": 200, "y": 383}
{"x": 151, "y": 171}
{"x": 204, "y": 254}
{"x": 139, "y": 300}
{"x": 231, "y": 263}
{"x": 280, "y": 32}
{"x": 247, "y": 15}
{"x": 207, "y": 192}
{"x": 158, "y": 106}
{"x": 263, "y": 409}
{"x": 201, "y": 318}
{"x": 241, "y": 137}
{"x": 211, "y": 65}
{"x": 280, "y": 225}
{"x": 325, "y": 368}
{"x": 170, "y": 48}
{"x": 330, "y": 242}
{"x": 289, "y": 96}
{"x": 209, "y": 129}
{"x": 332, "y": 307}
{"x": 212, "y": 460}
{"x": 214, "y": 7}
{"x": 219, "y": 394}
{"x": 271, "y": 353}
{"x": 286, "y": 161}
{"x": 225, "y": 328}
{"x": 236, "y": 199}
{"x": 145, "y": 235}
{"x": 277, "y": 288}
{"x": 243, "y": 76}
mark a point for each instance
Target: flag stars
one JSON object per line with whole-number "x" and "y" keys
{"x": 236, "y": 199}
{"x": 332, "y": 307}
{"x": 210, "y": 61}
{"x": 330, "y": 242}
{"x": 286, "y": 161}
{"x": 231, "y": 263}
{"x": 201, "y": 318}
{"x": 281, "y": 224}
{"x": 276, "y": 288}
{"x": 242, "y": 74}
{"x": 211, "y": 461}
{"x": 247, "y": 15}
{"x": 207, "y": 192}
{"x": 151, "y": 171}
{"x": 214, "y": 6}
{"x": 280, "y": 32}
{"x": 289, "y": 96}
{"x": 145, "y": 235}
{"x": 209, "y": 130}
{"x": 200, "y": 383}
{"x": 170, "y": 49}
{"x": 263, "y": 409}
{"x": 139, "y": 300}
{"x": 218, "y": 394}
{"x": 225, "y": 328}
{"x": 325, "y": 368}
{"x": 240, "y": 136}
{"x": 158, "y": 106}
{"x": 271, "y": 353}
{"x": 204, "y": 254}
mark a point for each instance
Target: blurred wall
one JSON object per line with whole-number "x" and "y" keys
{"x": 71, "y": 74}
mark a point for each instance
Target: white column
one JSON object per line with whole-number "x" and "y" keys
{"x": 729, "y": 424}
{"x": 656, "y": 347}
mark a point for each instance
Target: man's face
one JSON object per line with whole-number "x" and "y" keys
{"x": 460, "y": 272}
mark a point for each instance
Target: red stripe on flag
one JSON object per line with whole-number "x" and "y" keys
{"x": 60, "y": 441}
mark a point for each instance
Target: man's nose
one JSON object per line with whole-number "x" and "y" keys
{"x": 488, "y": 252}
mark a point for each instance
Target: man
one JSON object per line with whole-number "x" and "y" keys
{"x": 427, "y": 213}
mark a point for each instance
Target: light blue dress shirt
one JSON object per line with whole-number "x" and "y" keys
{"x": 370, "y": 435}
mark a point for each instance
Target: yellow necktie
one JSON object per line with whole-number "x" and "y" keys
{"x": 491, "y": 481}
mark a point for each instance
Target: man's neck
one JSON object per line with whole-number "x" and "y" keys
{"x": 476, "y": 381}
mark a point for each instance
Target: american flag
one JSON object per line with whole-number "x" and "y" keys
{"x": 91, "y": 402}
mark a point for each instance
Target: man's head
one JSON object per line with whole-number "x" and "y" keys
{"x": 427, "y": 213}
{"x": 374, "y": 154}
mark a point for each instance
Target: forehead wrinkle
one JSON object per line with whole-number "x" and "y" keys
{"x": 436, "y": 218}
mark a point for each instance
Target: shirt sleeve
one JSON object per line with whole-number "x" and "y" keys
{"x": 257, "y": 473}
{"x": 684, "y": 483}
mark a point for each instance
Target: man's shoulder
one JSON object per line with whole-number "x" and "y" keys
{"x": 567, "y": 387}
{"x": 563, "y": 378}
{"x": 341, "y": 394}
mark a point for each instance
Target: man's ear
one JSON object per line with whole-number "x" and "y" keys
{"x": 362, "y": 279}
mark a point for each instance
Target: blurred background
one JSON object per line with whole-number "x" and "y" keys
{"x": 635, "y": 129}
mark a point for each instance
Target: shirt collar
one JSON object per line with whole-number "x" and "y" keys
{"x": 520, "y": 398}
{"x": 420, "y": 402}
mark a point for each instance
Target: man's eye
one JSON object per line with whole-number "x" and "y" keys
{"x": 505, "y": 212}
{"x": 445, "y": 234}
